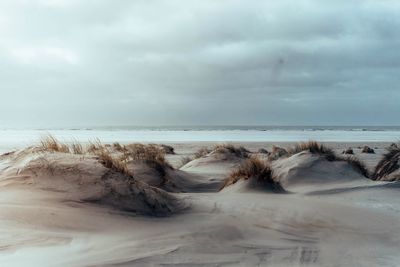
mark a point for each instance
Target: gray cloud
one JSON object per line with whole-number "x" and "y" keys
{"x": 71, "y": 62}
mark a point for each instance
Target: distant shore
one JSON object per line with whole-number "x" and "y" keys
{"x": 18, "y": 138}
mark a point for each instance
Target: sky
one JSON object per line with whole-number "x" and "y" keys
{"x": 186, "y": 62}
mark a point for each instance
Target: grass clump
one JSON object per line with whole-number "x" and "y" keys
{"x": 388, "y": 164}
{"x": 314, "y": 148}
{"x": 240, "y": 152}
{"x": 145, "y": 152}
{"x": 106, "y": 158}
{"x": 77, "y": 148}
{"x": 202, "y": 152}
{"x": 254, "y": 168}
{"x": 277, "y": 152}
{"x": 113, "y": 163}
{"x": 185, "y": 160}
{"x": 150, "y": 154}
{"x": 51, "y": 144}
{"x": 95, "y": 146}
{"x": 319, "y": 149}
{"x": 168, "y": 149}
{"x": 118, "y": 147}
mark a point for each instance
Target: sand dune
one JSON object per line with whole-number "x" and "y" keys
{"x": 172, "y": 180}
{"x": 305, "y": 171}
{"x": 82, "y": 178}
{"x": 216, "y": 165}
{"x": 62, "y": 209}
{"x": 253, "y": 175}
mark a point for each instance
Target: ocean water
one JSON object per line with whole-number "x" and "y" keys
{"x": 17, "y": 138}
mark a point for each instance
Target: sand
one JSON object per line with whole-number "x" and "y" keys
{"x": 329, "y": 216}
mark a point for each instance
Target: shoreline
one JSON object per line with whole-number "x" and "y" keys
{"x": 4, "y": 147}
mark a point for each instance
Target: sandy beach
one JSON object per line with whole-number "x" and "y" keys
{"x": 66, "y": 209}
{"x": 235, "y": 133}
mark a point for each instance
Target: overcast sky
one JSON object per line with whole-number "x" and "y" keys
{"x": 141, "y": 62}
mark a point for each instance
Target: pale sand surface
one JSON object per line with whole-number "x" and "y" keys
{"x": 331, "y": 217}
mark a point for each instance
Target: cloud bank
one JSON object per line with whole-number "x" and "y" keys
{"x": 199, "y": 62}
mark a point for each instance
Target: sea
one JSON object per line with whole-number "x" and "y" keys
{"x": 12, "y": 138}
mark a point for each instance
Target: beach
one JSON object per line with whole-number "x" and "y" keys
{"x": 329, "y": 214}
{"x": 15, "y": 138}
{"x": 199, "y": 133}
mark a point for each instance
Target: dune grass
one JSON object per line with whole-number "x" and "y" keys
{"x": 51, "y": 144}
{"x": 314, "y": 148}
{"x": 319, "y": 149}
{"x": 95, "y": 146}
{"x": 109, "y": 161}
{"x": 277, "y": 152}
{"x": 388, "y": 164}
{"x": 145, "y": 152}
{"x": 202, "y": 152}
{"x": 151, "y": 154}
{"x": 240, "y": 152}
{"x": 310, "y": 146}
{"x": 118, "y": 147}
{"x": 168, "y": 149}
{"x": 77, "y": 148}
{"x": 185, "y": 160}
{"x": 254, "y": 168}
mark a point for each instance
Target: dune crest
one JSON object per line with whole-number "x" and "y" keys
{"x": 215, "y": 165}
{"x": 252, "y": 175}
{"x": 83, "y": 178}
{"x": 306, "y": 171}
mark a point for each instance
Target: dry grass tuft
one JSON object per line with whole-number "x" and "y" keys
{"x": 185, "y": 160}
{"x": 106, "y": 158}
{"x": 110, "y": 162}
{"x": 277, "y": 152}
{"x": 95, "y": 146}
{"x": 329, "y": 154}
{"x": 254, "y": 168}
{"x": 388, "y": 164}
{"x": 145, "y": 152}
{"x": 314, "y": 148}
{"x": 77, "y": 148}
{"x": 151, "y": 154}
{"x": 202, "y": 152}
{"x": 240, "y": 152}
{"x": 168, "y": 149}
{"x": 118, "y": 147}
{"x": 51, "y": 144}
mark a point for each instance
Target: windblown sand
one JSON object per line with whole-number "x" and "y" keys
{"x": 329, "y": 216}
